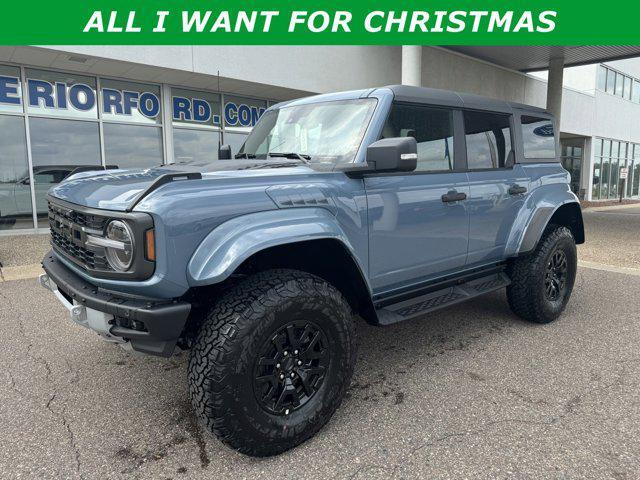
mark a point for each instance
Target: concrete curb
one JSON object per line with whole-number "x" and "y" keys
{"x": 21, "y": 272}
{"x": 611, "y": 207}
{"x": 609, "y": 268}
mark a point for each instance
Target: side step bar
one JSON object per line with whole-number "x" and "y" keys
{"x": 445, "y": 297}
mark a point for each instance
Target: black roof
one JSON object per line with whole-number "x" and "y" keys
{"x": 434, "y": 96}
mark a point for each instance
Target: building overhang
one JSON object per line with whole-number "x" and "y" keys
{"x": 532, "y": 58}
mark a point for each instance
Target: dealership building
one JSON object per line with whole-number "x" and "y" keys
{"x": 81, "y": 106}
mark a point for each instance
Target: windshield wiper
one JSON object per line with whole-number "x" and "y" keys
{"x": 244, "y": 155}
{"x": 300, "y": 156}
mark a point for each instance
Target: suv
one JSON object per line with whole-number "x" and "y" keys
{"x": 386, "y": 203}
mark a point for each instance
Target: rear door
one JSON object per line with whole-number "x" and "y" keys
{"x": 416, "y": 232}
{"x": 497, "y": 185}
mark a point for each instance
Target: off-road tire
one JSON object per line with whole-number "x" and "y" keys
{"x": 526, "y": 294}
{"x": 222, "y": 361}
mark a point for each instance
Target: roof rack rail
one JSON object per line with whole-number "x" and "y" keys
{"x": 162, "y": 180}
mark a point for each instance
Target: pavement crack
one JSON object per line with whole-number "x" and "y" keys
{"x": 61, "y": 416}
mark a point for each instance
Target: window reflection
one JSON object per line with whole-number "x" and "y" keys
{"x": 131, "y": 146}
{"x": 15, "y": 189}
{"x": 196, "y": 145}
{"x": 57, "y": 148}
{"x": 538, "y": 137}
{"x": 236, "y": 140}
{"x": 488, "y": 138}
{"x": 433, "y": 130}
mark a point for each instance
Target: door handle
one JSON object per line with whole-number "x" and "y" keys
{"x": 453, "y": 196}
{"x": 517, "y": 190}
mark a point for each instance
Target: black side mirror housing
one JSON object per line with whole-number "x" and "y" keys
{"x": 224, "y": 152}
{"x": 399, "y": 154}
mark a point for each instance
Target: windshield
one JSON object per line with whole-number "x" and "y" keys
{"x": 328, "y": 132}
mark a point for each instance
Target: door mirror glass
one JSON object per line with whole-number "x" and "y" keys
{"x": 399, "y": 154}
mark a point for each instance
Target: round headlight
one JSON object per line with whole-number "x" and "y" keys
{"x": 120, "y": 255}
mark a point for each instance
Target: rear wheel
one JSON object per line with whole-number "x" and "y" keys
{"x": 541, "y": 282}
{"x": 272, "y": 361}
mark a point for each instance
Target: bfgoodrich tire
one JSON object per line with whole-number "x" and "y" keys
{"x": 272, "y": 361}
{"x": 541, "y": 282}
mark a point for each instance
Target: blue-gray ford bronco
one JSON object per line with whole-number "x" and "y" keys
{"x": 384, "y": 204}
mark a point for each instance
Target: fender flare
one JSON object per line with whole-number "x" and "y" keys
{"x": 536, "y": 226}
{"x": 534, "y": 218}
{"x": 234, "y": 241}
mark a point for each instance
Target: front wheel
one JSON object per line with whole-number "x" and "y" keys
{"x": 542, "y": 281}
{"x": 272, "y": 361}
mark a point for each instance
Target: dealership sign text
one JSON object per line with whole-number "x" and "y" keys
{"x": 81, "y": 97}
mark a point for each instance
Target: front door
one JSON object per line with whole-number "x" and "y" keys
{"x": 417, "y": 228}
{"x": 497, "y": 186}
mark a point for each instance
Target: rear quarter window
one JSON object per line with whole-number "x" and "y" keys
{"x": 538, "y": 137}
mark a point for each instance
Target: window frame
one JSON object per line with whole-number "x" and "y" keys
{"x": 520, "y": 158}
{"x": 557, "y": 154}
{"x": 512, "y": 129}
{"x": 460, "y": 164}
{"x": 459, "y": 157}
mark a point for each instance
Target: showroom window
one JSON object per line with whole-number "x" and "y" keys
{"x": 609, "y": 157}
{"x": 196, "y": 119}
{"x": 132, "y": 124}
{"x": 571, "y": 158}
{"x": 130, "y": 102}
{"x": 635, "y": 182}
{"x": 15, "y": 188}
{"x": 58, "y": 121}
{"x": 11, "y": 90}
{"x": 54, "y": 94}
{"x": 59, "y": 145}
{"x": 240, "y": 116}
{"x": 131, "y": 146}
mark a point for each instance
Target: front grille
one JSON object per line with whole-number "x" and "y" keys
{"x": 86, "y": 257}
{"x": 69, "y": 230}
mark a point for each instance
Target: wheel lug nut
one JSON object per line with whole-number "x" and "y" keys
{"x": 293, "y": 374}
{"x": 295, "y": 352}
{"x": 277, "y": 365}
{"x": 286, "y": 412}
{"x": 282, "y": 376}
{"x": 285, "y": 353}
{"x": 299, "y": 362}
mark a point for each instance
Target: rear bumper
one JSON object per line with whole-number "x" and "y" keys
{"x": 149, "y": 325}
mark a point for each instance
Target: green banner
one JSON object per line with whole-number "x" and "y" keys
{"x": 278, "y": 22}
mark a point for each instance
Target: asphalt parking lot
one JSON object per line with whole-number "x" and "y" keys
{"x": 469, "y": 392}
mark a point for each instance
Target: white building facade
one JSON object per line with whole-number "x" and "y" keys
{"x": 81, "y": 106}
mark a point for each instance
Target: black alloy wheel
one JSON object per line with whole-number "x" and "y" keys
{"x": 291, "y": 367}
{"x": 555, "y": 276}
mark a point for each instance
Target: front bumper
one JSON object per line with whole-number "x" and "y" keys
{"x": 149, "y": 325}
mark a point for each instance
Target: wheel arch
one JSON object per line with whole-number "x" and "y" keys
{"x": 568, "y": 214}
{"x": 328, "y": 258}
{"x": 306, "y": 239}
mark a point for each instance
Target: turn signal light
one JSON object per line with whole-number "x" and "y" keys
{"x": 150, "y": 245}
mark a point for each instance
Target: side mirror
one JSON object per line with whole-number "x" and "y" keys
{"x": 224, "y": 152}
{"x": 398, "y": 154}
